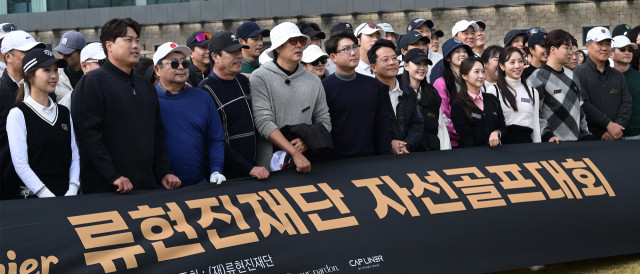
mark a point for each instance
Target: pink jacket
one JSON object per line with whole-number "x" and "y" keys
{"x": 440, "y": 85}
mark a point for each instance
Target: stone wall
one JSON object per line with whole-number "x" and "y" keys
{"x": 571, "y": 17}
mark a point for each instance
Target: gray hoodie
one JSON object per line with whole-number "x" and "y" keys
{"x": 277, "y": 104}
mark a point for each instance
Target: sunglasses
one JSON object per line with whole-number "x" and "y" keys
{"x": 371, "y": 25}
{"x": 9, "y": 28}
{"x": 625, "y": 49}
{"x": 69, "y": 55}
{"x": 322, "y": 60}
{"x": 294, "y": 40}
{"x": 535, "y": 30}
{"x": 175, "y": 63}
{"x": 100, "y": 62}
{"x": 202, "y": 37}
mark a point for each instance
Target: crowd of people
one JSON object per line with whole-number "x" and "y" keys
{"x": 224, "y": 106}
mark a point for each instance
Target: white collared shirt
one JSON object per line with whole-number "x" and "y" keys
{"x": 393, "y": 95}
{"x": 365, "y": 69}
{"x": 17, "y": 135}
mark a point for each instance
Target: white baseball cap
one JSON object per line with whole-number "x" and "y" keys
{"x": 598, "y": 34}
{"x": 369, "y": 28}
{"x": 92, "y": 51}
{"x": 386, "y": 27}
{"x": 622, "y": 41}
{"x": 312, "y": 53}
{"x": 463, "y": 25}
{"x": 21, "y": 41}
{"x": 169, "y": 47}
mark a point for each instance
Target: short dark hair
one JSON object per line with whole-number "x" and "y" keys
{"x": 331, "y": 45}
{"x": 633, "y": 34}
{"x": 381, "y": 43}
{"x": 556, "y": 38}
{"x": 116, "y": 28}
{"x": 490, "y": 52}
{"x": 218, "y": 52}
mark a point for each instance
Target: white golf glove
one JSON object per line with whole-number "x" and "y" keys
{"x": 73, "y": 189}
{"x": 217, "y": 178}
{"x": 46, "y": 193}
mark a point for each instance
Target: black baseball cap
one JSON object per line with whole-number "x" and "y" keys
{"x": 251, "y": 29}
{"x": 415, "y": 56}
{"x": 537, "y": 39}
{"x": 342, "y": 26}
{"x": 192, "y": 40}
{"x": 481, "y": 24}
{"x": 311, "y": 32}
{"x": 623, "y": 29}
{"x": 41, "y": 58}
{"x": 438, "y": 32}
{"x": 510, "y": 35}
{"x": 225, "y": 40}
{"x": 416, "y": 23}
{"x": 411, "y": 37}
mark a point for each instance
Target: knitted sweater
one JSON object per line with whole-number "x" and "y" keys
{"x": 561, "y": 114}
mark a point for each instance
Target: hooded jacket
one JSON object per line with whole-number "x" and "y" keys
{"x": 280, "y": 99}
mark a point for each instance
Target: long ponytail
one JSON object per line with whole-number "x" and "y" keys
{"x": 24, "y": 85}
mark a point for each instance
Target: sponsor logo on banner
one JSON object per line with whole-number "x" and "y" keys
{"x": 366, "y": 262}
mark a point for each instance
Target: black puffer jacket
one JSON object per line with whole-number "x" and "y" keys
{"x": 430, "y": 107}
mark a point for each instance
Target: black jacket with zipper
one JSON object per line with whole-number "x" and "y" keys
{"x": 476, "y": 132}
{"x": 8, "y": 90}
{"x": 430, "y": 107}
{"x": 413, "y": 119}
{"x": 196, "y": 75}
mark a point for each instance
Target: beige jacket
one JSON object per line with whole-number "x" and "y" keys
{"x": 64, "y": 85}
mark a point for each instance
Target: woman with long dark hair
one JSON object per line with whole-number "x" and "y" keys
{"x": 454, "y": 52}
{"x": 477, "y": 117}
{"x": 50, "y": 166}
{"x": 520, "y": 102}
{"x": 435, "y": 135}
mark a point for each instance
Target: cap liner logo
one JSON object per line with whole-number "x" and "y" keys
{"x": 64, "y": 41}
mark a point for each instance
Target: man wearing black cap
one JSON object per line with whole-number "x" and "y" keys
{"x": 250, "y": 34}
{"x": 622, "y": 29}
{"x": 481, "y": 38}
{"x": 435, "y": 40}
{"x": 313, "y": 31}
{"x": 538, "y": 53}
{"x": 199, "y": 68}
{"x": 339, "y": 27}
{"x": 232, "y": 95}
{"x": 514, "y": 38}
{"x": 421, "y": 26}
{"x": 411, "y": 40}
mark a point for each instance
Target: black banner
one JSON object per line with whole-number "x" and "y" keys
{"x": 472, "y": 210}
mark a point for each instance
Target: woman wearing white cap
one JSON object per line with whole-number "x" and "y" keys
{"x": 283, "y": 94}
{"x": 314, "y": 60}
{"x": 50, "y": 166}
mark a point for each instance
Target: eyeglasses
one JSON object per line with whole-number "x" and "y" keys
{"x": 572, "y": 49}
{"x": 175, "y": 63}
{"x": 294, "y": 40}
{"x": 322, "y": 60}
{"x": 9, "y": 28}
{"x": 535, "y": 30}
{"x": 202, "y": 37}
{"x": 386, "y": 61}
{"x": 347, "y": 50}
{"x": 100, "y": 62}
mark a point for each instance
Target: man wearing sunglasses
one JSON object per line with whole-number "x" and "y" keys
{"x": 190, "y": 120}
{"x": 92, "y": 57}
{"x": 284, "y": 93}
{"x": 71, "y": 44}
{"x": 232, "y": 97}
{"x": 622, "y": 55}
{"x": 367, "y": 34}
{"x": 198, "y": 43}
{"x": 607, "y": 101}
{"x": 5, "y": 28}
{"x": 250, "y": 34}
{"x": 359, "y": 119}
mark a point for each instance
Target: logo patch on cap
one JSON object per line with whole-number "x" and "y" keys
{"x": 173, "y": 46}
{"x": 47, "y": 52}
{"x": 418, "y": 20}
{"x": 457, "y": 40}
{"x": 603, "y": 31}
{"x": 421, "y": 53}
{"x": 347, "y": 25}
{"x": 234, "y": 37}
{"x": 626, "y": 26}
{"x": 64, "y": 41}
{"x": 409, "y": 28}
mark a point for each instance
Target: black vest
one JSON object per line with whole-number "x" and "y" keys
{"x": 49, "y": 147}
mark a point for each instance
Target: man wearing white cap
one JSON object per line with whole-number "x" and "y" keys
{"x": 91, "y": 57}
{"x": 186, "y": 133}
{"x": 465, "y": 31}
{"x": 622, "y": 55}
{"x": 15, "y": 45}
{"x": 390, "y": 34}
{"x": 5, "y": 28}
{"x": 284, "y": 93}
{"x": 367, "y": 34}
{"x": 607, "y": 101}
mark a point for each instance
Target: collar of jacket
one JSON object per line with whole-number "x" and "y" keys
{"x": 195, "y": 70}
{"x": 115, "y": 71}
{"x": 406, "y": 89}
{"x": 63, "y": 78}
{"x": 592, "y": 65}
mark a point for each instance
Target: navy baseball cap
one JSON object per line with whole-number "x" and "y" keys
{"x": 342, "y": 26}
{"x": 623, "y": 29}
{"x": 411, "y": 37}
{"x": 537, "y": 39}
{"x": 415, "y": 56}
{"x": 70, "y": 42}
{"x": 418, "y": 22}
{"x": 251, "y": 29}
{"x": 452, "y": 44}
{"x": 41, "y": 58}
